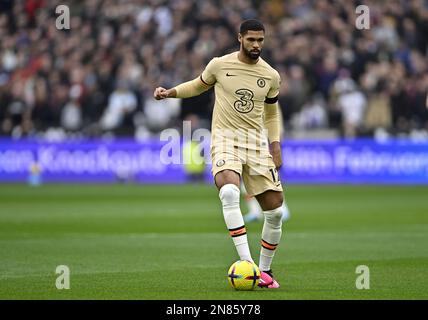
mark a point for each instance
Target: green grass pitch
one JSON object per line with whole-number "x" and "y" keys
{"x": 170, "y": 242}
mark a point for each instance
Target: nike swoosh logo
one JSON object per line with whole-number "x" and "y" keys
{"x": 230, "y": 75}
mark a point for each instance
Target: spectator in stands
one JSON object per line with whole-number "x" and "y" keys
{"x": 122, "y": 102}
{"x": 313, "y": 114}
{"x": 352, "y": 103}
{"x": 71, "y": 115}
{"x": 378, "y": 113}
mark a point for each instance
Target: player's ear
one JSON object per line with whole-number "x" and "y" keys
{"x": 239, "y": 37}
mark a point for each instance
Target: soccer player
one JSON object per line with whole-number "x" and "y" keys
{"x": 246, "y": 94}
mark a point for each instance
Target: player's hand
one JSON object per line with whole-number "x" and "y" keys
{"x": 275, "y": 151}
{"x": 160, "y": 93}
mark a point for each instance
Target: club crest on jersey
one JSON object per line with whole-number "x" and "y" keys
{"x": 261, "y": 82}
{"x": 220, "y": 163}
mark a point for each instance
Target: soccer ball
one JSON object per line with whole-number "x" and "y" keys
{"x": 243, "y": 275}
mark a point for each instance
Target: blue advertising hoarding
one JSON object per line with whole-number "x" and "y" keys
{"x": 356, "y": 161}
{"x": 335, "y": 162}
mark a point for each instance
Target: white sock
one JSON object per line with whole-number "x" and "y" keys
{"x": 271, "y": 235}
{"x": 229, "y": 196}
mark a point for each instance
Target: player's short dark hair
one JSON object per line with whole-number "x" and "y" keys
{"x": 251, "y": 24}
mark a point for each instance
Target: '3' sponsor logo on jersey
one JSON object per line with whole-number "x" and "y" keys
{"x": 245, "y": 103}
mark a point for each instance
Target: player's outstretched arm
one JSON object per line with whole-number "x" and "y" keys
{"x": 185, "y": 90}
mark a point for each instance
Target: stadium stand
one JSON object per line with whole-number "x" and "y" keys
{"x": 98, "y": 77}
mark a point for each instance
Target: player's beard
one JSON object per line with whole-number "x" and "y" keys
{"x": 252, "y": 54}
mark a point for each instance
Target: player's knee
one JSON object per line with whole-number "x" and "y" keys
{"x": 225, "y": 177}
{"x": 270, "y": 200}
{"x": 274, "y": 216}
{"x": 229, "y": 194}
{"x": 278, "y": 200}
{"x": 275, "y": 203}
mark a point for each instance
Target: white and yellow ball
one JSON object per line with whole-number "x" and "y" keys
{"x": 243, "y": 275}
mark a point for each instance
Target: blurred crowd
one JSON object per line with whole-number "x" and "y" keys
{"x": 97, "y": 78}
